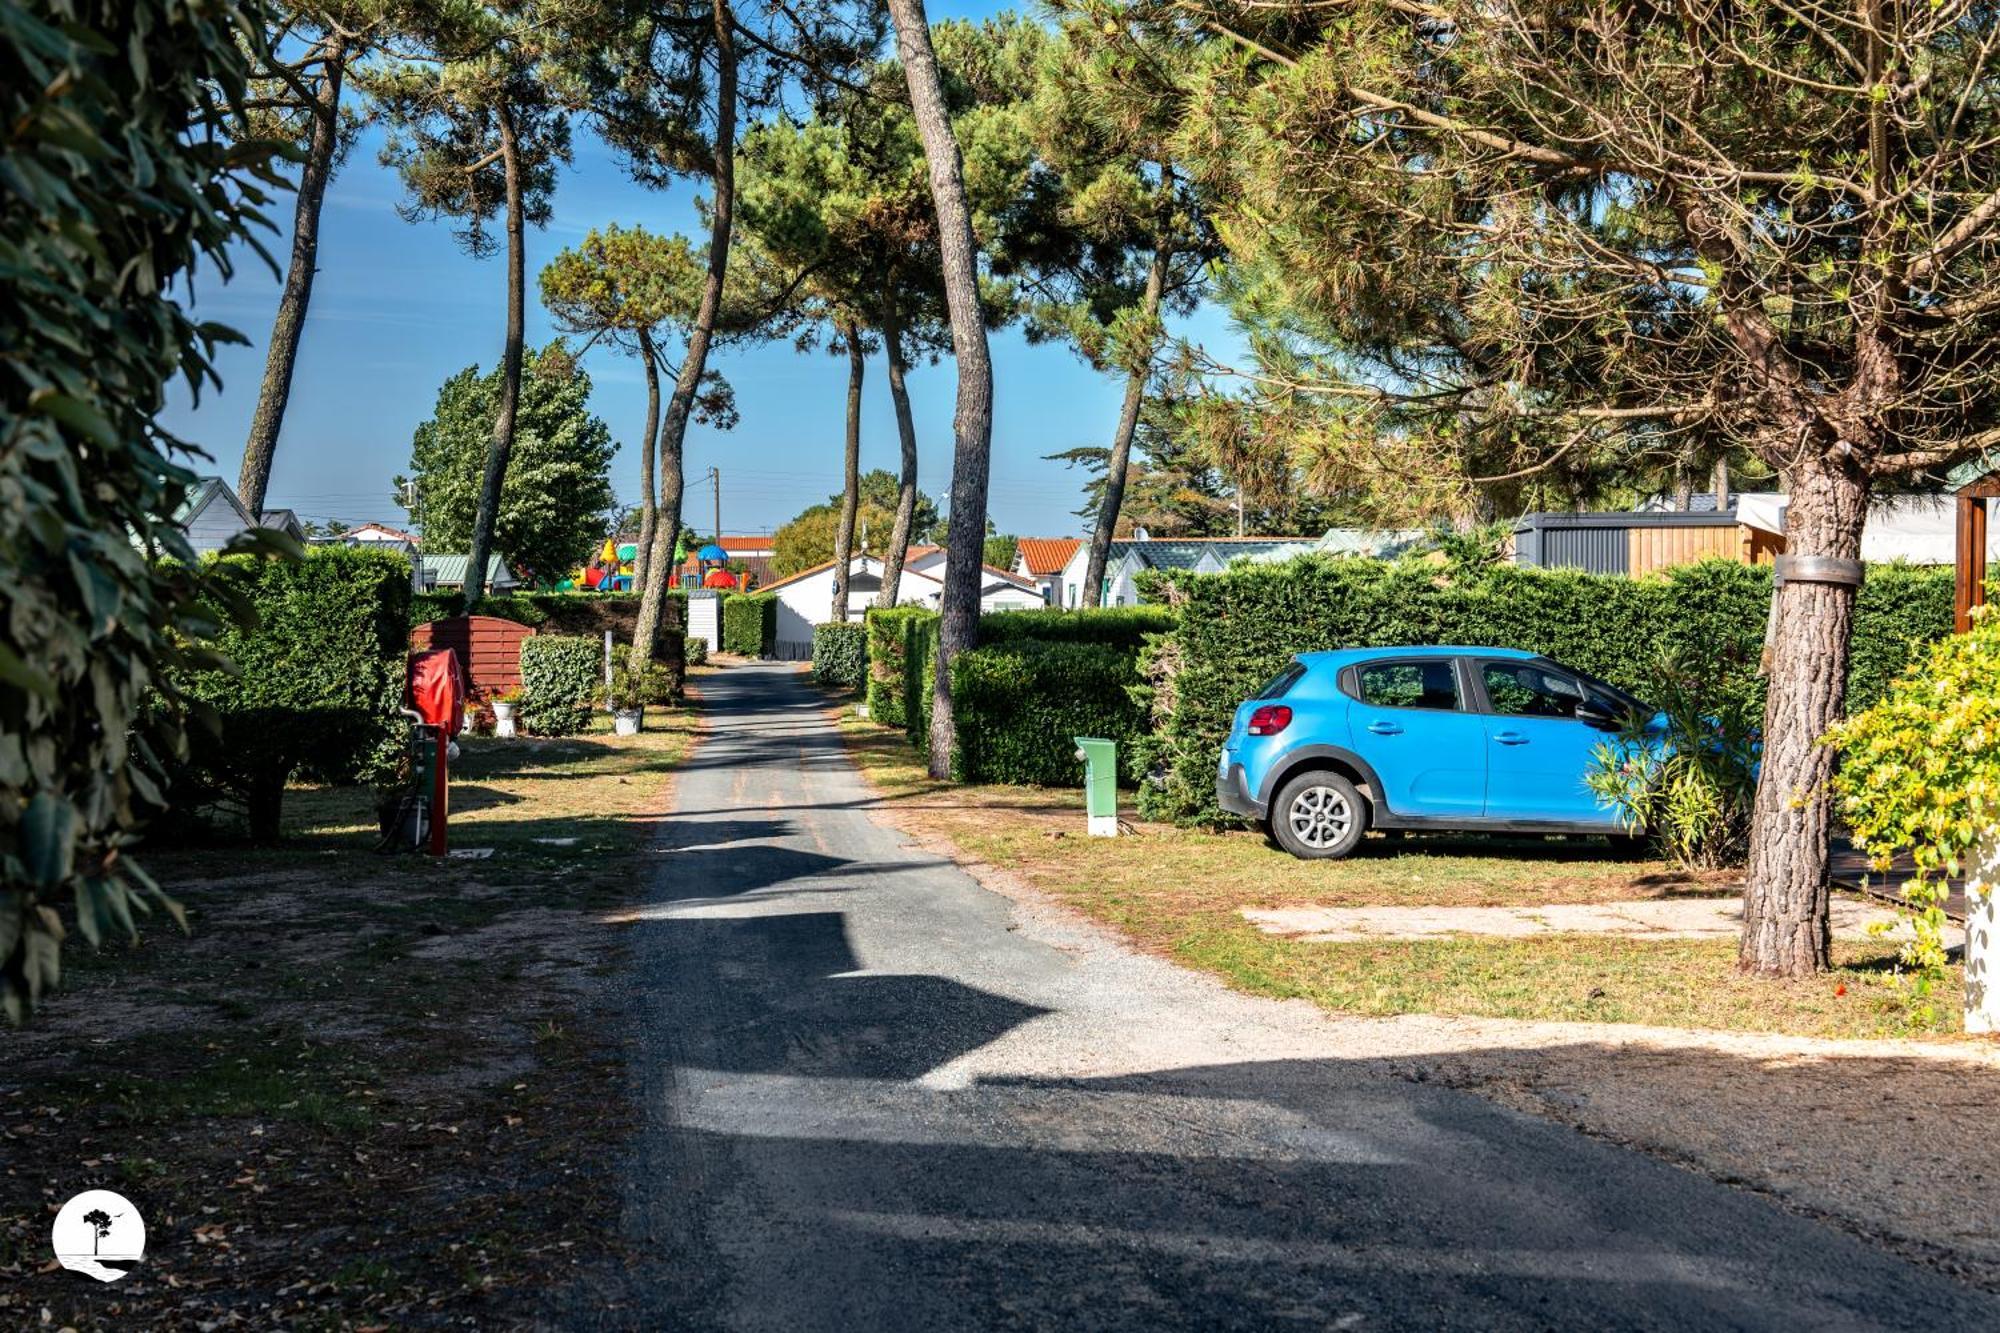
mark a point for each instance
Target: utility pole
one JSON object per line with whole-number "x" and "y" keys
{"x": 715, "y": 479}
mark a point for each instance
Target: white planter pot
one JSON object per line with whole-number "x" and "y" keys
{"x": 1982, "y": 933}
{"x": 503, "y": 712}
{"x": 627, "y": 723}
{"x": 503, "y": 726}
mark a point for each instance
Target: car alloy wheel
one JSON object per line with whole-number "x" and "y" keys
{"x": 1320, "y": 817}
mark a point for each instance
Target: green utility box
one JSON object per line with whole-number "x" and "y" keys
{"x": 1100, "y": 784}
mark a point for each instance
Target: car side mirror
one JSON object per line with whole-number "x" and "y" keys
{"x": 1594, "y": 715}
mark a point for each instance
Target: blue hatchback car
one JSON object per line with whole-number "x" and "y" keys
{"x": 1480, "y": 739}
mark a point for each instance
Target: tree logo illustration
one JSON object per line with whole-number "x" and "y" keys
{"x": 100, "y": 1222}
{"x": 100, "y": 1234}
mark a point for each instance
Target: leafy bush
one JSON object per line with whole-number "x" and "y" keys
{"x": 1692, "y": 785}
{"x": 560, "y": 675}
{"x": 695, "y": 648}
{"x": 127, "y": 159}
{"x": 1920, "y": 772}
{"x": 1021, "y": 704}
{"x": 890, "y": 635}
{"x": 657, "y": 684}
{"x": 1235, "y": 630}
{"x": 317, "y": 686}
{"x": 840, "y": 655}
{"x": 750, "y": 625}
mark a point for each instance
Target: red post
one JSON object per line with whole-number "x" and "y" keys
{"x": 440, "y": 789}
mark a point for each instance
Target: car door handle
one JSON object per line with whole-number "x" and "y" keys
{"x": 1385, "y": 728}
{"x": 1510, "y": 738}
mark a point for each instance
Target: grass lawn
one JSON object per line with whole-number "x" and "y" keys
{"x": 364, "y": 1089}
{"x": 1179, "y": 892}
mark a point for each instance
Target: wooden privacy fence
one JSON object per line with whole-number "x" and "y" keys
{"x": 487, "y": 647}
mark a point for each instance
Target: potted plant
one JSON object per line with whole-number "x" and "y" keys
{"x": 627, "y": 701}
{"x": 506, "y": 705}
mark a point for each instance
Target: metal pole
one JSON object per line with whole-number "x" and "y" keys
{"x": 440, "y": 791}
{"x": 715, "y": 475}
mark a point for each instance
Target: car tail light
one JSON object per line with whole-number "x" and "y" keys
{"x": 1270, "y": 719}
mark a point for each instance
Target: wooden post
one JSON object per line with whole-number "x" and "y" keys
{"x": 1970, "y": 589}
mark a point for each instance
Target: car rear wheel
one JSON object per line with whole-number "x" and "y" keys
{"x": 1319, "y": 815}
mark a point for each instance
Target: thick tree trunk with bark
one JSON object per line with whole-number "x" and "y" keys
{"x": 972, "y": 421}
{"x": 1785, "y": 921}
{"x": 649, "y": 510}
{"x": 673, "y": 432}
{"x": 502, "y": 444}
{"x": 850, "y": 491}
{"x": 906, "y": 432}
{"x": 1120, "y": 461}
{"x": 289, "y": 326}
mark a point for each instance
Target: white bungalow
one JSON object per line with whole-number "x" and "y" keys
{"x": 806, "y": 598}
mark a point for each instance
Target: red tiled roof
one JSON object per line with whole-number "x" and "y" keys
{"x": 1047, "y": 555}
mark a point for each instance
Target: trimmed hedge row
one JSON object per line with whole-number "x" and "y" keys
{"x": 560, "y": 677}
{"x": 1235, "y": 630}
{"x": 893, "y": 634}
{"x": 317, "y": 686}
{"x": 1021, "y": 703}
{"x": 1038, "y": 680}
{"x": 1118, "y": 626}
{"x": 840, "y": 655}
{"x": 750, "y": 625}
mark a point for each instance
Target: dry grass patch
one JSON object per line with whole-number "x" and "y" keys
{"x": 1179, "y": 892}
{"x": 384, "y": 1088}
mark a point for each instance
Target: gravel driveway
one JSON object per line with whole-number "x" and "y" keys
{"x": 880, "y": 1096}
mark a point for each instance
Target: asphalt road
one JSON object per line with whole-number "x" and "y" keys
{"x": 882, "y": 1097}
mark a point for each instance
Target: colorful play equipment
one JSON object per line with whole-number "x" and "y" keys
{"x": 615, "y": 569}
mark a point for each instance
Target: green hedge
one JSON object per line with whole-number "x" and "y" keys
{"x": 561, "y": 674}
{"x": 891, "y": 689}
{"x": 696, "y": 650}
{"x": 1020, "y": 705}
{"x": 840, "y": 655}
{"x": 1236, "y": 629}
{"x": 318, "y": 685}
{"x": 750, "y": 625}
{"x": 1117, "y": 626}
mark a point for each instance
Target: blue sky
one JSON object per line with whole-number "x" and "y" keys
{"x": 398, "y": 308}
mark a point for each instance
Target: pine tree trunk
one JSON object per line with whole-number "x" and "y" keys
{"x": 850, "y": 493}
{"x": 1785, "y": 923}
{"x": 673, "y": 432}
{"x": 649, "y": 510}
{"x": 264, "y": 803}
{"x": 972, "y": 421}
{"x": 1121, "y": 444}
{"x": 502, "y": 444}
{"x": 906, "y": 432}
{"x": 289, "y": 326}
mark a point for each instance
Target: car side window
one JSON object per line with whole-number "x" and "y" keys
{"x": 1407, "y": 685}
{"x": 1281, "y": 684}
{"x": 1522, "y": 689}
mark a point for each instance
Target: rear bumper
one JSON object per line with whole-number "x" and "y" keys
{"x": 1232, "y": 793}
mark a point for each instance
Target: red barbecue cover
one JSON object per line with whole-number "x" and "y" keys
{"x": 437, "y": 689}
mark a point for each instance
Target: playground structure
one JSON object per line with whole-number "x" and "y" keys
{"x": 615, "y": 569}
